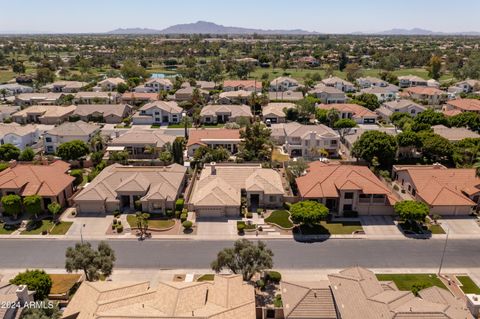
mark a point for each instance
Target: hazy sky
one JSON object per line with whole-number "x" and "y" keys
{"x": 337, "y": 16}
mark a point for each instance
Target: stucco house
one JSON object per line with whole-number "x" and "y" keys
{"x": 7, "y": 111}
{"x": 105, "y": 113}
{"x": 234, "y": 97}
{"x": 370, "y": 81}
{"x": 454, "y": 134}
{"x": 49, "y": 98}
{"x": 356, "y": 112}
{"x": 246, "y": 85}
{"x": 141, "y": 144}
{"x": 220, "y": 113}
{"x": 135, "y": 98}
{"x": 411, "y": 80}
{"x": 399, "y": 106}
{"x": 65, "y": 86}
{"x": 457, "y": 106}
{"x": 283, "y": 83}
{"x": 328, "y": 94}
{"x": 67, "y": 132}
{"x": 44, "y": 114}
{"x": 14, "y": 89}
{"x": 226, "y": 297}
{"x": 22, "y": 136}
{"x": 97, "y": 98}
{"x": 219, "y": 188}
{"x": 426, "y": 95}
{"x": 275, "y": 112}
{"x": 305, "y": 140}
{"x": 155, "y": 85}
{"x": 158, "y": 112}
{"x": 447, "y": 191}
{"x": 109, "y": 84}
{"x": 339, "y": 83}
{"x": 469, "y": 85}
{"x": 51, "y": 182}
{"x": 229, "y": 139}
{"x": 346, "y": 188}
{"x": 383, "y": 93}
{"x": 118, "y": 187}
{"x": 285, "y": 96}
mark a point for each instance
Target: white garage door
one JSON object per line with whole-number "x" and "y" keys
{"x": 90, "y": 207}
{"x": 210, "y": 212}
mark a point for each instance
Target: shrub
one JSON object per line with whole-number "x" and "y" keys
{"x": 259, "y": 210}
{"x": 138, "y": 205}
{"x": 350, "y": 214}
{"x": 116, "y": 213}
{"x": 187, "y": 224}
{"x": 249, "y": 215}
{"x": 260, "y": 284}
{"x": 114, "y": 222}
{"x": 241, "y": 227}
{"x": 114, "y": 226}
{"x": 287, "y": 206}
{"x": 119, "y": 228}
{"x": 37, "y": 280}
{"x": 185, "y": 211}
{"x": 169, "y": 213}
{"x": 119, "y": 222}
{"x": 273, "y": 276}
{"x": 177, "y": 214}
{"x": 183, "y": 217}
{"x": 44, "y": 232}
{"x": 179, "y": 204}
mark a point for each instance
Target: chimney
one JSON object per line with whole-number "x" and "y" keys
{"x": 12, "y": 163}
{"x": 22, "y": 294}
{"x": 213, "y": 168}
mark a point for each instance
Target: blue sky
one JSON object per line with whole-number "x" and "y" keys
{"x": 337, "y": 16}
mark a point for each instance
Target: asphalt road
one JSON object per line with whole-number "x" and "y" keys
{"x": 335, "y": 253}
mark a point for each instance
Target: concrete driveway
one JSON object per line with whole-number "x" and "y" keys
{"x": 461, "y": 225}
{"x": 94, "y": 226}
{"x": 216, "y": 227}
{"x": 379, "y": 225}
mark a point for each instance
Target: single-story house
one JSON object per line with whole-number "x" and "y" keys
{"x": 454, "y": 134}
{"x": 22, "y": 136}
{"x": 51, "y": 182}
{"x": 119, "y": 187}
{"x": 275, "y": 112}
{"x": 109, "y": 84}
{"x": 447, "y": 191}
{"x": 234, "y": 97}
{"x": 411, "y": 80}
{"x": 285, "y": 96}
{"x": 134, "y": 98}
{"x": 383, "y": 93}
{"x": 49, "y": 98}
{"x": 14, "y": 89}
{"x": 229, "y": 139}
{"x": 186, "y": 93}
{"x": 97, "y": 98}
{"x": 246, "y": 85}
{"x": 356, "y": 112}
{"x": 44, "y": 114}
{"x": 142, "y": 143}
{"x": 219, "y": 188}
{"x": 399, "y": 106}
{"x": 65, "y": 86}
{"x": 283, "y": 83}
{"x": 158, "y": 112}
{"x": 370, "y": 81}
{"x": 339, "y": 83}
{"x": 155, "y": 85}
{"x": 328, "y": 94}
{"x": 7, "y": 111}
{"x": 220, "y": 113}
{"x": 344, "y": 188}
{"x": 462, "y": 105}
{"x": 107, "y": 113}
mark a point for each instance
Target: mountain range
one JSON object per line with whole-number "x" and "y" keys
{"x": 418, "y": 31}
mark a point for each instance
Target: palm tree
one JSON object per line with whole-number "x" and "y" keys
{"x": 97, "y": 142}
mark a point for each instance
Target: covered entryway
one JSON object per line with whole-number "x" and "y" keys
{"x": 254, "y": 202}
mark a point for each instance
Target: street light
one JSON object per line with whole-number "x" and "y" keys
{"x": 184, "y": 116}
{"x": 81, "y": 233}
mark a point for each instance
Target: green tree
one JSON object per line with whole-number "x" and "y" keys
{"x": 73, "y": 150}
{"x": 344, "y": 126}
{"x": 409, "y": 210}
{"x": 177, "y": 150}
{"x": 131, "y": 69}
{"x": 78, "y": 174}
{"x": 26, "y": 155}
{"x": 45, "y": 75}
{"x": 255, "y": 144}
{"x": 37, "y": 280}
{"x": 436, "y": 147}
{"x": 54, "y": 208}
{"x": 33, "y": 205}
{"x": 308, "y": 212}
{"x": 435, "y": 67}
{"x": 353, "y": 71}
{"x": 297, "y": 168}
{"x": 142, "y": 223}
{"x": 368, "y": 100}
{"x": 12, "y": 205}
{"x": 245, "y": 258}
{"x": 165, "y": 157}
{"x": 431, "y": 117}
{"x": 400, "y": 119}
{"x": 376, "y": 144}
{"x": 343, "y": 61}
{"x": 466, "y": 119}
{"x": 9, "y": 152}
{"x": 95, "y": 264}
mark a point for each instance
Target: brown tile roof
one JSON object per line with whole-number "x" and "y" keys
{"x": 157, "y": 138}
{"x": 454, "y": 133}
{"x": 129, "y": 96}
{"x": 105, "y": 109}
{"x": 441, "y": 186}
{"x": 424, "y": 90}
{"x": 37, "y": 179}
{"x": 326, "y": 180}
{"x": 197, "y": 135}
{"x": 242, "y": 83}
{"x": 466, "y": 104}
{"x": 358, "y": 111}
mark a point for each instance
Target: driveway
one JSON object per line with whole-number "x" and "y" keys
{"x": 379, "y": 225}
{"x": 94, "y": 226}
{"x": 461, "y": 225}
{"x": 212, "y": 227}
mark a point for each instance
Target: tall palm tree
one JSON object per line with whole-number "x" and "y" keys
{"x": 97, "y": 142}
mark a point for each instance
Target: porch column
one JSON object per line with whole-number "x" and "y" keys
{"x": 132, "y": 203}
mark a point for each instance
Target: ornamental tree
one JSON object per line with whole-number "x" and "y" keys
{"x": 308, "y": 212}
{"x": 409, "y": 210}
{"x": 37, "y": 280}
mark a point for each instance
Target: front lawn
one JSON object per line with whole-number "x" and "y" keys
{"x": 156, "y": 223}
{"x": 279, "y": 157}
{"x": 179, "y": 125}
{"x": 468, "y": 285}
{"x": 420, "y": 229}
{"x": 331, "y": 228}
{"x": 62, "y": 283}
{"x": 7, "y": 231}
{"x": 281, "y": 218}
{"x": 61, "y": 228}
{"x": 37, "y": 227}
{"x": 408, "y": 281}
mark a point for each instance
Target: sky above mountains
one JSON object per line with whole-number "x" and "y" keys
{"x": 324, "y": 16}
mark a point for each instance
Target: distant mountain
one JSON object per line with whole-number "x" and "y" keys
{"x": 203, "y": 27}
{"x": 418, "y": 31}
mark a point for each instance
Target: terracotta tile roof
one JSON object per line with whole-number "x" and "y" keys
{"x": 451, "y": 112}
{"x": 441, "y": 186}
{"x": 197, "y": 135}
{"x": 424, "y": 90}
{"x": 79, "y": 128}
{"x": 104, "y": 109}
{"x": 466, "y": 104}
{"x": 243, "y": 83}
{"x": 358, "y": 111}
{"x": 325, "y": 180}
{"x": 277, "y": 108}
{"x": 234, "y": 110}
{"x": 157, "y": 138}
{"x": 128, "y": 96}
{"x": 37, "y": 179}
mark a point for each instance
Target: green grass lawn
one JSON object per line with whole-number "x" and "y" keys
{"x": 37, "y": 227}
{"x": 332, "y": 228}
{"x": 280, "y": 217}
{"x": 61, "y": 228}
{"x": 407, "y": 281}
{"x": 279, "y": 157}
{"x": 179, "y": 125}
{"x": 422, "y": 228}
{"x": 7, "y": 231}
{"x": 206, "y": 277}
{"x": 468, "y": 286}
{"x": 152, "y": 222}
{"x": 436, "y": 229}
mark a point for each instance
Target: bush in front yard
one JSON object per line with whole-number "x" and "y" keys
{"x": 119, "y": 228}
{"x": 179, "y": 204}
{"x": 287, "y": 206}
{"x": 169, "y": 213}
{"x": 187, "y": 224}
{"x": 241, "y": 227}
{"x": 273, "y": 276}
{"x": 183, "y": 217}
{"x": 249, "y": 215}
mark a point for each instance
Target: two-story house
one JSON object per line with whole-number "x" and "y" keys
{"x": 283, "y": 83}
{"x": 339, "y": 83}
{"x": 358, "y": 113}
{"x": 345, "y": 188}
{"x": 328, "y": 94}
{"x": 109, "y": 84}
{"x": 399, "y": 106}
{"x": 158, "y": 112}
{"x": 426, "y": 95}
{"x": 155, "y": 85}
{"x": 67, "y": 132}
{"x": 306, "y": 140}
{"x": 411, "y": 80}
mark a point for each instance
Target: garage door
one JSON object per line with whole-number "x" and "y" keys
{"x": 90, "y": 207}
{"x": 210, "y": 212}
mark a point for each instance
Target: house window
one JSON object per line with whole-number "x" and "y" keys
{"x": 333, "y": 142}
{"x": 48, "y": 139}
{"x": 347, "y": 207}
{"x": 272, "y": 198}
{"x": 414, "y": 192}
{"x": 348, "y": 195}
{"x": 412, "y": 111}
{"x": 50, "y": 149}
{"x": 409, "y": 188}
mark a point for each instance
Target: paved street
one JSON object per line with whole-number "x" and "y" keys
{"x": 188, "y": 254}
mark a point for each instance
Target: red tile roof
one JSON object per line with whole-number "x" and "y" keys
{"x": 42, "y": 180}
{"x": 424, "y": 90}
{"x": 196, "y": 136}
{"x": 243, "y": 83}
{"x": 465, "y": 104}
{"x": 357, "y": 110}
